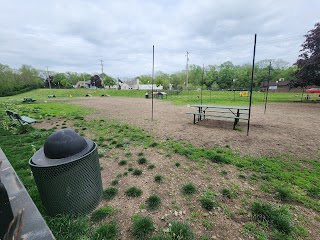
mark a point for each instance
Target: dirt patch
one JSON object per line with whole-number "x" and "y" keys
{"x": 285, "y": 128}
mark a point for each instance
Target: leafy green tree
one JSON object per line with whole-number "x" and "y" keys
{"x": 308, "y": 63}
{"x": 211, "y": 75}
{"x": 195, "y": 76}
{"x": 145, "y": 79}
{"x": 109, "y": 81}
{"x": 226, "y": 75}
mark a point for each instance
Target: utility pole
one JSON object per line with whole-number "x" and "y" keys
{"x": 187, "y": 69}
{"x": 48, "y": 78}
{"x": 101, "y": 66}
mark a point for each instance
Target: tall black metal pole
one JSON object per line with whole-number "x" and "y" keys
{"x": 252, "y": 76}
{"x": 202, "y": 82}
{"x": 266, "y": 101}
{"x": 152, "y": 81}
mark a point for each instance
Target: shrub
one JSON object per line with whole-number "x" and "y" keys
{"x": 153, "y": 202}
{"x": 136, "y": 172}
{"x": 189, "y": 189}
{"x": 158, "y": 178}
{"x": 101, "y": 213}
{"x": 142, "y": 227}
{"x": 177, "y": 164}
{"x": 106, "y": 231}
{"x": 110, "y": 193}
{"x": 133, "y": 192}
{"x": 142, "y": 160}
{"x": 207, "y": 203}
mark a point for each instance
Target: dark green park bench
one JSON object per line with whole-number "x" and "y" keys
{"x": 22, "y": 120}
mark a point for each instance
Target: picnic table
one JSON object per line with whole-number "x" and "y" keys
{"x": 230, "y": 112}
{"x": 28, "y": 100}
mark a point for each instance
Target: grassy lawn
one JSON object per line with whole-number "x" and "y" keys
{"x": 287, "y": 181}
{"x": 177, "y": 97}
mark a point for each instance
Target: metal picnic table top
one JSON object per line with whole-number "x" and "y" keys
{"x": 219, "y": 107}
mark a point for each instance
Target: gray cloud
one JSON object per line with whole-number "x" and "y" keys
{"x": 75, "y": 35}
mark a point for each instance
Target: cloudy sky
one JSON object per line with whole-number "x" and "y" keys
{"x": 75, "y": 35}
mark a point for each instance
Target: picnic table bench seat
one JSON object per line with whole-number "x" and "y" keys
{"x": 22, "y": 120}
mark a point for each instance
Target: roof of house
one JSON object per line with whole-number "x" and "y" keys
{"x": 274, "y": 83}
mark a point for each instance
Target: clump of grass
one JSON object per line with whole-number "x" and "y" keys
{"x": 130, "y": 169}
{"x": 142, "y": 228}
{"x": 125, "y": 173}
{"x": 122, "y": 162}
{"x": 69, "y": 227}
{"x": 140, "y": 154}
{"x": 314, "y": 191}
{"x": 177, "y": 164}
{"x": 114, "y": 182}
{"x": 224, "y": 172}
{"x": 142, "y": 160}
{"x": 243, "y": 176}
{"x": 136, "y": 172}
{"x": 180, "y": 230}
{"x": 153, "y": 144}
{"x": 110, "y": 193}
{"x": 106, "y": 231}
{"x": 207, "y": 203}
{"x": 219, "y": 158}
{"x": 158, "y": 178}
{"x": 119, "y": 175}
{"x": 226, "y": 192}
{"x": 278, "y": 217}
{"x": 101, "y": 213}
{"x": 133, "y": 192}
{"x": 189, "y": 189}
{"x": 128, "y": 154}
{"x": 284, "y": 194}
{"x": 151, "y": 166}
{"x": 119, "y": 145}
{"x": 153, "y": 202}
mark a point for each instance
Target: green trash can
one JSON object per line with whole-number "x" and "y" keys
{"x": 67, "y": 173}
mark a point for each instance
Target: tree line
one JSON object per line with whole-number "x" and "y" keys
{"x": 224, "y": 76}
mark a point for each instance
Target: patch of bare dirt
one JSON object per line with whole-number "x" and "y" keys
{"x": 285, "y": 128}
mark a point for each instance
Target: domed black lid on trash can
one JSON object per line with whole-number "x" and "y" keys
{"x": 61, "y": 147}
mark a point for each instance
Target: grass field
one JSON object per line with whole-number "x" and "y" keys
{"x": 286, "y": 181}
{"x": 177, "y": 97}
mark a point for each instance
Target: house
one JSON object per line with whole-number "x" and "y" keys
{"x": 275, "y": 86}
{"x": 82, "y": 84}
{"x": 135, "y": 85}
